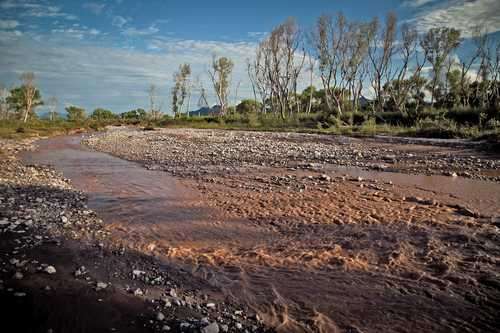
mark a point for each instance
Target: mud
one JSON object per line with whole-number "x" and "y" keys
{"x": 304, "y": 229}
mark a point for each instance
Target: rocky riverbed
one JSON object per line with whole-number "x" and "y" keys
{"x": 194, "y": 152}
{"x": 321, "y": 233}
{"x": 59, "y": 272}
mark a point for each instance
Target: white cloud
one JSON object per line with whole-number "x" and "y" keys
{"x": 9, "y": 35}
{"x": 119, "y": 21}
{"x": 416, "y": 3}
{"x": 74, "y": 33}
{"x": 32, "y": 9}
{"x": 94, "y": 7}
{"x": 134, "y": 32}
{"x": 257, "y": 34}
{"x": 464, "y": 15}
{"x": 8, "y": 24}
{"x": 119, "y": 77}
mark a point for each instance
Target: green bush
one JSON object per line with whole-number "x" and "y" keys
{"x": 464, "y": 116}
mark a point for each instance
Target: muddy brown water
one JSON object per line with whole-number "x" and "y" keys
{"x": 148, "y": 209}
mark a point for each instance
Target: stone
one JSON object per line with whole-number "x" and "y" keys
{"x": 160, "y": 316}
{"x": 18, "y": 275}
{"x": 212, "y": 328}
{"x": 101, "y": 285}
{"x": 80, "y": 271}
{"x": 50, "y": 270}
{"x": 325, "y": 178}
{"x": 137, "y": 273}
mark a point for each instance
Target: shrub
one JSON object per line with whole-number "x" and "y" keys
{"x": 464, "y": 116}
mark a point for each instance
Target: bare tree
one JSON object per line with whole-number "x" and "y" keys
{"x": 381, "y": 49}
{"x": 494, "y": 73}
{"x": 257, "y": 72}
{"x": 52, "y": 104}
{"x": 181, "y": 88}
{"x": 311, "y": 66}
{"x": 356, "y": 61}
{"x": 253, "y": 81}
{"x": 279, "y": 66}
{"x": 4, "y": 106}
{"x": 154, "y": 105}
{"x": 410, "y": 69}
{"x": 220, "y": 74}
{"x": 329, "y": 45}
{"x": 29, "y": 93}
{"x": 438, "y": 43}
{"x": 341, "y": 48}
{"x": 202, "y": 101}
{"x": 236, "y": 91}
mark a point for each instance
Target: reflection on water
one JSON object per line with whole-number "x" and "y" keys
{"x": 154, "y": 212}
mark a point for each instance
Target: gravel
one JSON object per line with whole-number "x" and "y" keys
{"x": 196, "y": 153}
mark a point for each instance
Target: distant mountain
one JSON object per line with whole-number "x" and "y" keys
{"x": 205, "y": 111}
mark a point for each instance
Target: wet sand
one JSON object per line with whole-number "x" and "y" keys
{"x": 310, "y": 245}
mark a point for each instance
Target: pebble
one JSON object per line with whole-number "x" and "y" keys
{"x": 160, "y": 316}
{"x": 50, "y": 270}
{"x": 101, "y": 285}
{"x": 211, "y": 328}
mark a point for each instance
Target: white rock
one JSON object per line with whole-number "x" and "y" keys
{"x": 212, "y": 328}
{"x": 101, "y": 285}
{"x": 50, "y": 270}
{"x": 160, "y": 316}
{"x": 137, "y": 273}
{"x": 18, "y": 276}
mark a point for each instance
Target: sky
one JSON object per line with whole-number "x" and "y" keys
{"x": 107, "y": 53}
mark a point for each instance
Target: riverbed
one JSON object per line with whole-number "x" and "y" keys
{"x": 310, "y": 245}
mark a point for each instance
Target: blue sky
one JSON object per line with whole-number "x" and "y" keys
{"x": 107, "y": 53}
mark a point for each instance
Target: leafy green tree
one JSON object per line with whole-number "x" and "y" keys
{"x": 454, "y": 83}
{"x": 248, "y": 105}
{"x": 17, "y": 101}
{"x": 102, "y": 114}
{"x": 75, "y": 113}
{"x": 137, "y": 114}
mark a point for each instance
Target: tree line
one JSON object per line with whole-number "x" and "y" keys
{"x": 405, "y": 71}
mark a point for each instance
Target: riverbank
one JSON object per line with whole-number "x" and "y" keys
{"x": 333, "y": 233}
{"x": 61, "y": 273}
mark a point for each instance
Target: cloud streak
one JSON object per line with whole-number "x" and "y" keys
{"x": 8, "y": 24}
{"x": 463, "y": 15}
